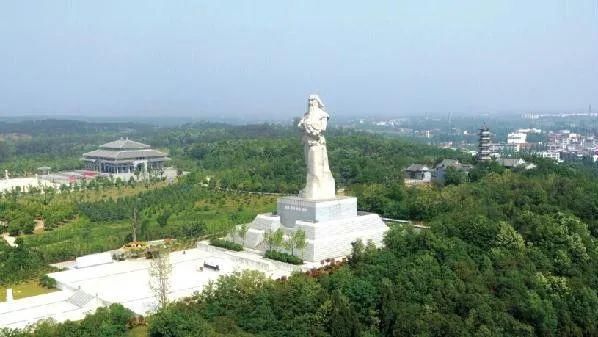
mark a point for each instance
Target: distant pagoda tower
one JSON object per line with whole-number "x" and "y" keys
{"x": 484, "y": 145}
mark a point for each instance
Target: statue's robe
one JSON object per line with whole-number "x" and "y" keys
{"x": 320, "y": 183}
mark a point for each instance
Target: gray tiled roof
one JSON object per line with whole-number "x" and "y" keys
{"x": 125, "y": 154}
{"x": 454, "y": 163}
{"x": 448, "y": 163}
{"x": 417, "y": 168}
{"x": 124, "y": 144}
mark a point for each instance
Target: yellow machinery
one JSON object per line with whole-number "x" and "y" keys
{"x": 136, "y": 249}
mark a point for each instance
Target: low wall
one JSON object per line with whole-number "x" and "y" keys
{"x": 250, "y": 260}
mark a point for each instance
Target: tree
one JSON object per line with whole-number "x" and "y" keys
{"x": 143, "y": 229}
{"x": 177, "y": 321}
{"x": 268, "y": 238}
{"x": 343, "y": 320}
{"x": 4, "y": 151}
{"x": 289, "y": 245}
{"x": 299, "y": 240}
{"x": 485, "y": 168}
{"x": 109, "y": 321}
{"x": 277, "y": 239}
{"x": 358, "y": 252}
{"x": 388, "y": 308}
{"x": 118, "y": 183}
{"x": 64, "y": 188}
{"x": 454, "y": 176}
{"x": 162, "y": 219}
{"x": 160, "y": 270}
{"x": 21, "y": 222}
{"x": 13, "y": 229}
{"x": 242, "y": 232}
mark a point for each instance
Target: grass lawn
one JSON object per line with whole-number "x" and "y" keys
{"x": 138, "y": 331}
{"x": 25, "y": 289}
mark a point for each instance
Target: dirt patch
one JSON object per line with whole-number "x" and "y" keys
{"x": 39, "y": 226}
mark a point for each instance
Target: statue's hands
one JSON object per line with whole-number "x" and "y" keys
{"x": 313, "y": 129}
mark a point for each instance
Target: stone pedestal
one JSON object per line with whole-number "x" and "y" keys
{"x": 330, "y": 226}
{"x": 333, "y": 238}
{"x": 293, "y": 209}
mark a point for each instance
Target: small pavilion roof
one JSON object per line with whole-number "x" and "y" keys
{"x": 124, "y": 144}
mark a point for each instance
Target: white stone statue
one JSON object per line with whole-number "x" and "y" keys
{"x": 320, "y": 183}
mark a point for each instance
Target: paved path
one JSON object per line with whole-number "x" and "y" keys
{"x": 9, "y": 239}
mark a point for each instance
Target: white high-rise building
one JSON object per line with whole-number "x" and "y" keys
{"x": 516, "y": 138}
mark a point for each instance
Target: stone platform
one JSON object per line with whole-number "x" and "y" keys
{"x": 330, "y": 226}
{"x": 333, "y": 238}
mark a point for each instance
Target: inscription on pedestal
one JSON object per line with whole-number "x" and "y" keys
{"x": 293, "y": 209}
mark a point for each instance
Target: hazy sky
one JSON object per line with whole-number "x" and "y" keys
{"x": 262, "y": 58}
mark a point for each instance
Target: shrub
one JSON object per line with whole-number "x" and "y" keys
{"x": 283, "y": 257}
{"x": 48, "y": 282}
{"x": 179, "y": 320}
{"x": 21, "y": 223}
{"x": 226, "y": 244}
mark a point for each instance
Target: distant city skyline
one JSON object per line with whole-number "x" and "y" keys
{"x": 259, "y": 60}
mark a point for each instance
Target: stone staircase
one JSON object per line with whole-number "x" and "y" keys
{"x": 80, "y": 298}
{"x": 262, "y": 246}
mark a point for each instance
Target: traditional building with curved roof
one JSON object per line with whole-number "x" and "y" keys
{"x": 124, "y": 156}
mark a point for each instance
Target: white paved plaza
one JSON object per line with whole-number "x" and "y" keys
{"x": 127, "y": 282}
{"x": 24, "y": 184}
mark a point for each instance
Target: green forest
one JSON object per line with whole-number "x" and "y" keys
{"x": 507, "y": 252}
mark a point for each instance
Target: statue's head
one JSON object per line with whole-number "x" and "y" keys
{"x": 314, "y": 101}
{"x": 315, "y": 120}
